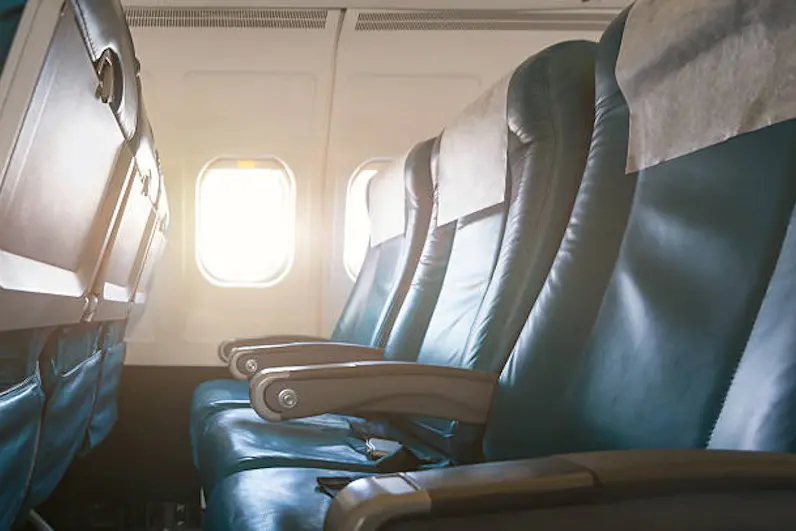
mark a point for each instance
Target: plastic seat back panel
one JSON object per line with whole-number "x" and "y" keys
{"x": 59, "y": 192}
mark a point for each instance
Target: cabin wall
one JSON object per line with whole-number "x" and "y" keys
{"x": 321, "y": 100}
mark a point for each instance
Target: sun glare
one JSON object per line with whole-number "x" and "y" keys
{"x": 245, "y": 225}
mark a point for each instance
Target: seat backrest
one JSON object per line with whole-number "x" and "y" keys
{"x": 671, "y": 330}
{"x": 74, "y": 217}
{"x": 399, "y": 208}
{"x": 134, "y": 227}
{"x": 139, "y": 238}
{"x": 506, "y": 172}
{"x": 505, "y": 175}
{"x": 21, "y": 403}
{"x": 21, "y": 396}
{"x": 56, "y": 225}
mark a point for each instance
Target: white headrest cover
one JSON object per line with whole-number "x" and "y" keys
{"x": 387, "y": 202}
{"x": 698, "y": 72}
{"x": 473, "y": 157}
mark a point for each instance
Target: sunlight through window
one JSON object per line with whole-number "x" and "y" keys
{"x": 245, "y": 217}
{"x": 357, "y": 222}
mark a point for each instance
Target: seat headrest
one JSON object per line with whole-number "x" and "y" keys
{"x": 700, "y": 72}
{"x": 387, "y": 202}
{"x": 473, "y": 157}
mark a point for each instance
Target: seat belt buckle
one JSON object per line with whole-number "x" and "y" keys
{"x": 380, "y": 448}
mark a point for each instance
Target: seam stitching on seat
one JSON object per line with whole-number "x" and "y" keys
{"x": 773, "y": 268}
{"x": 553, "y": 169}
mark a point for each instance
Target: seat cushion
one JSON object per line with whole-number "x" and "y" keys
{"x": 286, "y": 499}
{"x": 211, "y": 397}
{"x": 382, "y": 282}
{"x": 20, "y": 410}
{"x": 238, "y": 439}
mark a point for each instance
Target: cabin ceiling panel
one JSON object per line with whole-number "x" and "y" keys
{"x": 393, "y": 4}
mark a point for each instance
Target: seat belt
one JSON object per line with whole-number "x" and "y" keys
{"x": 331, "y": 486}
{"x": 402, "y": 460}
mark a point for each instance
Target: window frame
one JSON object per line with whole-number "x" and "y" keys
{"x": 384, "y": 162}
{"x": 263, "y": 162}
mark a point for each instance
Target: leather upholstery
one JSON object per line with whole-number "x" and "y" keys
{"x": 680, "y": 322}
{"x": 481, "y": 274}
{"x": 293, "y": 501}
{"x": 324, "y": 441}
{"x": 21, "y": 403}
{"x": 564, "y": 314}
{"x": 377, "y": 295}
{"x": 758, "y": 411}
{"x": 105, "y": 410}
{"x": 57, "y": 385}
{"x": 666, "y": 322}
{"x": 476, "y": 280}
{"x": 320, "y": 442}
{"x": 70, "y": 366}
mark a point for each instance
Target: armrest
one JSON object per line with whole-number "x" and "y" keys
{"x": 373, "y": 387}
{"x": 225, "y": 348}
{"x": 367, "y": 504}
{"x": 246, "y": 361}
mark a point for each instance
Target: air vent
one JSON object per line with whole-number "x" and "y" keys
{"x": 155, "y": 17}
{"x": 480, "y": 20}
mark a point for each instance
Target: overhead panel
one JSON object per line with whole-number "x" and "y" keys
{"x": 188, "y": 17}
{"x": 394, "y": 4}
{"x": 472, "y": 20}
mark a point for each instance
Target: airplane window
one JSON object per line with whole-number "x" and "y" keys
{"x": 245, "y": 222}
{"x": 357, "y": 223}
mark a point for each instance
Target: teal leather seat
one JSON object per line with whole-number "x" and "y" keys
{"x": 665, "y": 323}
{"x": 61, "y": 242}
{"x": 482, "y": 266}
{"x": 21, "y": 404}
{"x": 21, "y": 396}
{"x": 378, "y": 292}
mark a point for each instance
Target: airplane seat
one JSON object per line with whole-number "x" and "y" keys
{"x": 138, "y": 228}
{"x": 505, "y": 173}
{"x": 399, "y": 208}
{"x": 21, "y": 403}
{"x": 21, "y": 397}
{"x": 663, "y": 333}
{"x": 70, "y": 104}
{"x": 70, "y": 366}
{"x": 104, "y": 412}
{"x": 367, "y": 317}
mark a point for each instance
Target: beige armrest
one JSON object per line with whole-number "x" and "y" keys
{"x": 373, "y": 387}
{"x": 565, "y": 480}
{"x": 226, "y": 347}
{"x": 246, "y": 361}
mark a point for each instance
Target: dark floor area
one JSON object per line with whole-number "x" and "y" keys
{"x": 142, "y": 476}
